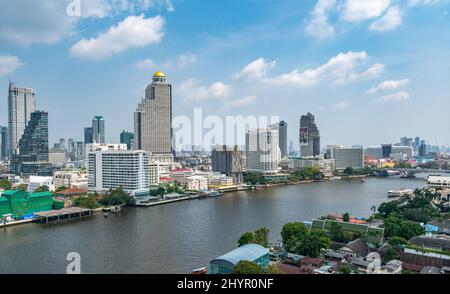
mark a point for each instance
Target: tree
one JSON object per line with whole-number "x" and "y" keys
{"x": 386, "y": 208}
{"x": 394, "y": 226}
{"x": 244, "y": 267}
{"x": 348, "y": 171}
{"x": 312, "y": 243}
{"x": 23, "y": 187}
{"x": 345, "y": 269}
{"x": 245, "y": 239}
{"x": 337, "y": 234}
{"x": 291, "y": 233}
{"x": 389, "y": 255}
{"x": 86, "y": 201}
{"x": 41, "y": 189}
{"x": 261, "y": 236}
{"x": 5, "y": 184}
{"x": 346, "y": 217}
{"x": 396, "y": 241}
{"x": 117, "y": 197}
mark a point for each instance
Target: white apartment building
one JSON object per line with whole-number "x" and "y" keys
{"x": 194, "y": 183}
{"x": 128, "y": 169}
{"x": 262, "y": 151}
{"x": 346, "y": 157}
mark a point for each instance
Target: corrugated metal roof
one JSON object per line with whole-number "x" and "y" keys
{"x": 249, "y": 252}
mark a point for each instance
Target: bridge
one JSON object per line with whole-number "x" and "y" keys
{"x": 407, "y": 172}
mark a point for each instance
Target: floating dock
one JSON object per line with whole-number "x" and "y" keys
{"x": 65, "y": 214}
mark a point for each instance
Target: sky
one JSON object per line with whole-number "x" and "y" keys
{"x": 371, "y": 71}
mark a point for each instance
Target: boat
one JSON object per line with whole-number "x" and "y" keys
{"x": 399, "y": 192}
{"x": 200, "y": 271}
{"x": 363, "y": 180}
{"x": 214, "y": 194}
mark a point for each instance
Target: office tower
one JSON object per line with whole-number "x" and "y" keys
{"x": 127, "y": 138}
{"x": 291, "y": 148}
{"x": 346, "y": 157}
{"x": 62, "y": 143}
{"x": 386, "y": 150}
{"x": 21, "y": 103}
{"x": 111, "y": 169}
{"x": 88, "y": 136}
{"x": 262, "y": 151}
{"x": 153, "y": 120}
{"x": 98, "y": 129}
{"x": 79, "y": 150}
{"x": 417, "y": 144}
{"x": 229, "y": 161}
{"x": 282, "y": 129}
{"x": 309, "y": 136}
{"x": 422, "y": 148}
{"x": 32, "y": 147}
{"x": 3, "y": 143}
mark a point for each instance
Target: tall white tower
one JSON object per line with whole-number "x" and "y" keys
{"x": 153, "y": 120}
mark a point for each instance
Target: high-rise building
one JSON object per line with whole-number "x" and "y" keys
{"x": 111, "y": 169}
{"x": 291, "y": 148}
{"x": 282, "y": 129}
{"x": 88, "y": 136}
{"x": 262, "y": 151}
{"x": 422, "y": 148}
{"x": 3, "y": 143}
{"x": 229, "y": 161}
{"x": 309, "y": 136}
{"x": 127, "y": 138}
{"x": 33, "y": 147}
{"x": 21, "y": 103}
{"x": 153, "y": 120}
{"x": 417, "y": 144}
{"x": 346, "y": 157}
{"x": 98, "y": 129}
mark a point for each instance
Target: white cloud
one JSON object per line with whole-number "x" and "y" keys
{"x": 388, "y": 86}
{"x": 341, "y": 69}
{"x": 341, "y": 105}
{"x": 395, "y": 97}
{"x": 256, "y": 69}
{"x": 134, "y": 31}
{"x": 186, "y": 59}
{"x": 423, "y": 2}
{"x": 146, "y": 64}
{"x": 191, "y": 90}
{"x": 360, "y": 10}
{"x": 318, "y": 25}
{"x": 243, "y": 101}
{"x": 389, "y": 21}
{"x": 9, "y": 64}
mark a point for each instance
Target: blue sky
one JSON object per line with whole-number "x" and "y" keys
{"x": 371, "y": 71}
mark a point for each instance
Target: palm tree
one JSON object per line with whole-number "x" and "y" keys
{"x": 374, "y": 209}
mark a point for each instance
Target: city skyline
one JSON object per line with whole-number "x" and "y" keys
{"x": 358, "y": 85}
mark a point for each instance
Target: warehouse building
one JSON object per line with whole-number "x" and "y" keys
{"x": 251, "y": 252}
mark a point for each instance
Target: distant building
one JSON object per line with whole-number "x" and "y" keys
{"x": 228, "y": 160}
{"x": 108, "y": 169}
{"x": 309, "y": 136}
{"x": 21, "y": 103}
{"x": 37, "y": 181}
{"x": 98, "y": 129}
{"x": 88, "y": 136}
{"x": 127, "y": 138}
{"x": 389, "y": 151}
{"x": 422, "y": 149}
{"x": 346, "y": 157}
{"x": 153, "y": 120}
{"x": 33, "y": 148}
{"x": 57, "y": 157}
{"x": 262, "y": 151}
{"x": 283, "y": 143}
{"x": 4, "y": 154}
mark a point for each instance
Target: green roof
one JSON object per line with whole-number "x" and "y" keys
{"x": 40, "y": 194}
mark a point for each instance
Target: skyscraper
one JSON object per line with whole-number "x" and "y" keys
{"x": 127, "y": 138}
{"x": 88, "y": 138}
{"x": 98, "y": 129}
{"x": 153, "y": 120}
{"x": 309, "y": 136}
{"x": 262, "y": 151}
{"x": 21, "y": 103}
{"x": 282, "y": 129}
{"x": 32, "y": 147}
{"x": 228, "y": 160}
{"x": 3, "y": 143}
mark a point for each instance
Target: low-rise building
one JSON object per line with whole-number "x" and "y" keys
{"x": 226, "y": 263}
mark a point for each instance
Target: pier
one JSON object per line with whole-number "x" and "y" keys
{"x": 65, "y": 214}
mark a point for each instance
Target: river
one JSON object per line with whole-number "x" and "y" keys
{"x": 178, "y": 237}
